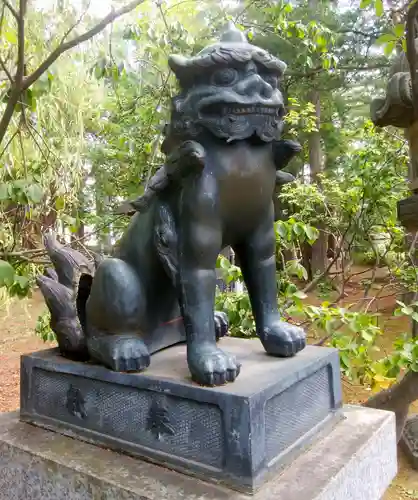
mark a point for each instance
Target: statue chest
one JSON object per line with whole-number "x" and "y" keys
{"x": 246, "y": 180}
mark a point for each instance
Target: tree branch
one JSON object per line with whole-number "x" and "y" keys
{"x": 16, "y": 87}
{"x": 20, "y": 45}
{"x": 374, "y": 34}
{"x": 76, "y": 23}
{"x": 12, "y": 9}
{"x": 21, "y": 83}
{"x": 319, "y": 69}
{"x": 63, "y": 47}
{"x": 4, "y": 68}
{"x": 2, "y": 18}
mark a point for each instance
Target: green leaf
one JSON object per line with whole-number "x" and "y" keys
{"x": 35, "y": 193}
{"x": 407, "y": 310}
{"x": 225, "y": 264}
{"x": 4, "y": 192}
{"x": 7, "y": 274}
{"x": 31, "y": 99}
{"x": 368, "y": 337}
{"x": 312, "y": 233}
{"x": 298, "y": 228}
{"x": 379, "y": 8}
{"x": 387, "y": 37}
{"x": 282, "y": 230}
{"x": 10, "y": 36}
{"x": 22, "y": 281}
{"x": 365, "y": 3}
{"x": 321, "y": 41}
{"x": 390, "y": 47}
{"x": 59, "y": 203}
{"x": 345, "y": 359}
{"x": 399, "y": 30}
{"x": 329, "y": 327}
{"x": 300, "y": 295}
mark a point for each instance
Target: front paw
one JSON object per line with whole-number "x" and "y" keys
{"x": 282, "y": 339}
{"x": 221, "y": 324}
{"x": 210, "y": 366}
{"x": 120, "y": 353}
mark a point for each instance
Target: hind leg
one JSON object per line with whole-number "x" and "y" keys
{"x": 114, "y": 312}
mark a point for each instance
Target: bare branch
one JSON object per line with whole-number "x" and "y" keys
{"x": 8, "y": 143}
{"x": 16, "y": 88}
{"x": 76, "y": 23}
{"x": 3, "y": 8}
{"x": 64, "y": 47}
{"x": 20, "y": 44}
{"x": 12, "y": 9}
{"x": 4, "y": 68}
{"x": 2, "y": 62}
{"x": 320, "y": 69}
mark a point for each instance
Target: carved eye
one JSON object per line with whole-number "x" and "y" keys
{"x": 225, "y": 76}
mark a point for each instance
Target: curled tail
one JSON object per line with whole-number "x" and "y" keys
{"x": 66, "y": 288}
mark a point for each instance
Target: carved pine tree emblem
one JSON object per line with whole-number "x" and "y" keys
{"x": 158, "y": 421}
{"x": 76, "y": 403}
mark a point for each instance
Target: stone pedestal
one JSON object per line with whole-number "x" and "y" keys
{"x": 355, "y": 461}
{"x": 241, "y": 434}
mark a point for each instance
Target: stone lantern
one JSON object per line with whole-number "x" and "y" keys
{"x": 396, "y": 109}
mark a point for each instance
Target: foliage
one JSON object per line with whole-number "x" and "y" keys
{"x": 86, "y": 134}
{"x": 349, "y": 201}
{"x": 43, "y": 328}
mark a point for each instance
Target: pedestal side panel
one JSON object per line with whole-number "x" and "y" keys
{"x": 173, "y": 425}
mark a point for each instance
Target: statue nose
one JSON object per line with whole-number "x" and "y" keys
{"x": 254, "y": 84}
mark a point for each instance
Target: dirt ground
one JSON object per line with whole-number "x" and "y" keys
{"x": 17, "y": 337}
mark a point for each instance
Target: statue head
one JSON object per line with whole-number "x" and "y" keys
{"x": 229, "y": 89}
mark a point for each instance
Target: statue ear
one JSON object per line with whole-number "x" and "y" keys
{"x": 179, "y": 65}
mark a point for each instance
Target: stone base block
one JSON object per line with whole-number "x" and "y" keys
{"x": 409, "y": 440}
{"x": 355, "y": 461}
{"x": 239, "y": 434}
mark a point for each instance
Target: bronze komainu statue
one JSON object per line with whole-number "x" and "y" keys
{"x": 216, "y": 189}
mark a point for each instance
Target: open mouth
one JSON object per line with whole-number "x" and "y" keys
{"x": 239, "y": 109}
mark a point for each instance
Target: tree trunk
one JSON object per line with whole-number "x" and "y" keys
{"x": 319, "y": 248}
{"x": 397, "y": 399}
{"x": 78, "y": 214}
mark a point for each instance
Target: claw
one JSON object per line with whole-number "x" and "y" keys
{"x": 221, "y": 324}
{"x": 282, "y": 339}
{"x": 211, "y": 366}
{"x": 121, "y": 353}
